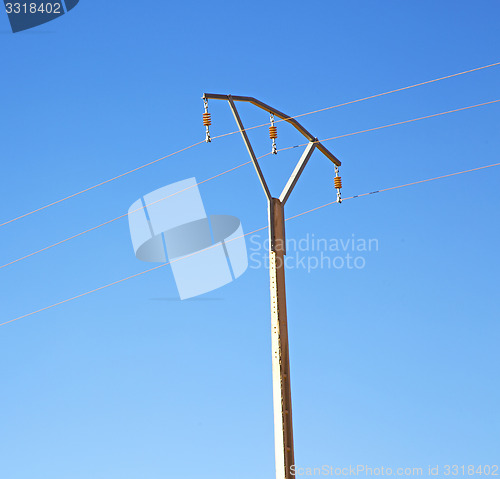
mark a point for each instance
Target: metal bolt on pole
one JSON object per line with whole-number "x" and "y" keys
{"x": 282, "y": 398}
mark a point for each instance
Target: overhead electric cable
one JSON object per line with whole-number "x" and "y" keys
{"x": 364, "y": 99}
{"x": 100, "y": 184}
{"x": 239, "y": 166}
{"x": 237, "y": 131}
{"x": 246, "y": 234}
{"x": 393, "y": 124}
{"x": 120, "y": 280}
{"x": 395, "y": 188}
{"x": 122, "y": 216}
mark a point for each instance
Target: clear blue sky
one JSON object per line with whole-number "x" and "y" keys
{"x": 393, "y": 364}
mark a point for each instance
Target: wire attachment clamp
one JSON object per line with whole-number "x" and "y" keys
{"x": 207, "y": 120}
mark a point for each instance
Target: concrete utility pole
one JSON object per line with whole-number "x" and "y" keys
{"x": 283, "y": 430}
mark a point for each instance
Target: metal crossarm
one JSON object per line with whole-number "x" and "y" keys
{"x": 279, "y": 114}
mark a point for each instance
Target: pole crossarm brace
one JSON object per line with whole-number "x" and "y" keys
{"x": 249, "y": 147}
{"x": 279, "y": 114}
{"x": 299, "y": 168}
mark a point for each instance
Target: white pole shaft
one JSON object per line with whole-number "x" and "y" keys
{"x": 283, "y": 431}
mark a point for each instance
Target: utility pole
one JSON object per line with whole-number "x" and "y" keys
{"x": 282, "y": 400}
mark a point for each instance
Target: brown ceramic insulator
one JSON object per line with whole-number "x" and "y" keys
{"x": 207, "y": 121}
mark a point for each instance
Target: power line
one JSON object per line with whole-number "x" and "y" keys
{"x": 237, "y": 131}
{"x": 395, "y": 124}
{"x": 395, "y": 188}
{"x": 119, "y": 281}
{"x": 246, "y": 234}
{"x": 122, "y": 216}
{"x": 235, "y": 168}
{"x": 365, "y": 98}
{"x": 84, "y": 294}
{"x": 100, "y": 184}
